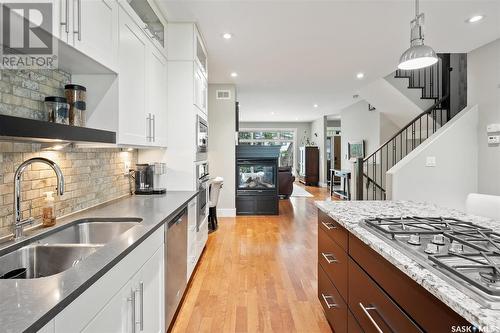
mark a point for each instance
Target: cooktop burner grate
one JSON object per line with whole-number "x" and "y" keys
{"x": 461, "y": 251}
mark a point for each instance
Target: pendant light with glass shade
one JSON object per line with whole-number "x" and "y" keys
{"x": 418, "y": 55}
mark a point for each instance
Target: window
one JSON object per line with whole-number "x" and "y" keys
{"x": 279, "y": 137}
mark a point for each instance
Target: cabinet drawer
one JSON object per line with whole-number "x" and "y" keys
{"x": 334, "y": 261}
{"x": 352, "y": 324}
{"x": 333, "y": 229}
{"x": 333, "y": 305}
{"x": 373, "y": 308}
{"x": 430, "y": 313}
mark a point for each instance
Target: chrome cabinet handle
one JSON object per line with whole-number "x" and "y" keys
{"x": 66, "y": 14}
{"x": 141, "y": 309}
{"x": 374, "y": 323}
{"x": 328, "y": 304}
{"x": 131, "y": 299}
{"x": 329, "y": 225}
{"x": 329, "y": 257}
{"x": 154, "y": 127}
{"x": 79, "y": 31}
{"x": 148, "y": 134}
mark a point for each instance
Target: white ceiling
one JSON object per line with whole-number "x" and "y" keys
{"x": 292, "y": 54}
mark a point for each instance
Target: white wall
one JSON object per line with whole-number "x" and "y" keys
{"x": 455, "y": 148}
{"x": 483, "y": 75}
{"x": 318, "y": 136}
{"x": 357, "y": 123}
{"x": 300, "y": 127}
{"x": 221, "y": 146}
{"x": 390, "y": 101}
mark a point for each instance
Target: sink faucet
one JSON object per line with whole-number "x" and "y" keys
{"x": 18, "y": 223}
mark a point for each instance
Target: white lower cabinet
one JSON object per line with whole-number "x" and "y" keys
{"x": 197, "y": 237}
{"x": 191, "y": 239}
{"x": 138, "y": 306}
{"x": 129, "y": 298}
{"x": 149, "y": 283}
{"x": 48, "y": 328}
{"x": 202, "y": 237}
{"x": 117, "y": 314}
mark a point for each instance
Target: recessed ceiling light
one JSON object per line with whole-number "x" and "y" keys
{"x": 227, "y": 35}
{"x": 272, "y": 113}
{"x": 296, "y": 118}
{"x": 475, "y": 18}
{"x": 234, "y": 74}
{"x": 315, "y": 105}
{"x": 360, "y": 76}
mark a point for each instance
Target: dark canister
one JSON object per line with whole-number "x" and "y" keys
{"x": 57, "y": 109}
{"x": 76, "y": 96}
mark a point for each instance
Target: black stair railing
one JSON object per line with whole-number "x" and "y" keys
{"x": 434, "y": 82}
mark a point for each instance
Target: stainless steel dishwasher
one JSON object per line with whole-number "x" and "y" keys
{"x": 175, "y": 264}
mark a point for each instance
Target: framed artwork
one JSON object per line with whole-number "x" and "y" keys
{"x": 356, "y": 149}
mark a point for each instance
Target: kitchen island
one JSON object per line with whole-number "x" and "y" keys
{"x": 72, "y": 299}
{"x": 380, "y": 261}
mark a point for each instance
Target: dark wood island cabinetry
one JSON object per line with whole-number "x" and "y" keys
{"x": 360, "y": 291}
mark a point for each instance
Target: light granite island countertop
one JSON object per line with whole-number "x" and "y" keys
{"x": 350, "y": 213}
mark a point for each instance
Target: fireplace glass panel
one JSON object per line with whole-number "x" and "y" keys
{"x": 257, "y": 176}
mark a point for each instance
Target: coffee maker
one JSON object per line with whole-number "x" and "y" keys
{"x": 144, "y": 178}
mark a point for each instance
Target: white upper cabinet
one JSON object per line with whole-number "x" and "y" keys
{"x": 200, "y": 89}
{"x": 157, "y": 97}
{"x": 184, "y": 42}
{"x": 134, "y": 121}
{"x": 91, "y": 26}
{"x": 132, "y": 102}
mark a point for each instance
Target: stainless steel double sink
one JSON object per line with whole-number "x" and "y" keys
{"x": 63, "y": 248}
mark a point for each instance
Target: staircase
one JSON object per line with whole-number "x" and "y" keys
{"x": 434, "y": 83}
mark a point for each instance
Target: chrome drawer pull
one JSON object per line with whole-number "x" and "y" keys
{"x": 328, "y": 304}
{"x": 132, "y": 300}
{"x": 369, "y": 308}
{"x": 141, "y": 292}
{"x": 329, "y": 225}
{"x": 330, "y": 258}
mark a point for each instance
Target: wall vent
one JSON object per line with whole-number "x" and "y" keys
{"x": 223, "y": 94}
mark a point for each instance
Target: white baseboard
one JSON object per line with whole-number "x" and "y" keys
{"x": 226, "y": 212}
{"x": 323, "y": 184}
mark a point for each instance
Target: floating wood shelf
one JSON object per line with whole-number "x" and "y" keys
{"x": 16, "y": 128}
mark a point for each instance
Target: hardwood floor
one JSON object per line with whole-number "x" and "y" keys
{"x": 259, "y": 274}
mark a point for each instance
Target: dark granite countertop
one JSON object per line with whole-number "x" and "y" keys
{"x": 27, "y": 305}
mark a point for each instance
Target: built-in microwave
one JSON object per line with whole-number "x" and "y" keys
{"x": 201, "y": 138}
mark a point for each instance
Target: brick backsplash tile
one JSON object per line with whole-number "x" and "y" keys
{"x": 22, "y": 92}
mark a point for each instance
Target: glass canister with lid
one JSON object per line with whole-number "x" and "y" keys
{"x": 57, "y": 109}
{"x": 76, "y": 96}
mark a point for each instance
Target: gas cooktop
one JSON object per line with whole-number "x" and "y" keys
{"x": 465, "y": 254}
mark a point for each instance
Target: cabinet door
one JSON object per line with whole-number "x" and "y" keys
{"x": 149, "y": 287}
{"x": 117, "y": 316}
{"x": 202, "y": 237}
{"x": 157, "y": 92}
{"x": 204, "y": 94}
{"x": 197, "y": 87}
{"x": 95, "y": 29}
{"x": 48, "y": 328}
{"x": 134, "y": 123}
{"x": 62, "y": 22}
{"x": 192, "y": 244}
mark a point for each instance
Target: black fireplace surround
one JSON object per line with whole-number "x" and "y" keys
{"x": 257, "y": 180}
